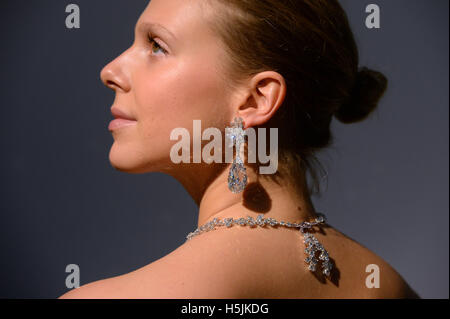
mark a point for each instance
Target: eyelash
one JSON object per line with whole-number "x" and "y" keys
{"x": 152, "y": 41}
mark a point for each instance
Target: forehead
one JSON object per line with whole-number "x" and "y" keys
{"x": 179, "y": 17}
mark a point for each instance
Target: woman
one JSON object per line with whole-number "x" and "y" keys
{"x": 290, "y": 65}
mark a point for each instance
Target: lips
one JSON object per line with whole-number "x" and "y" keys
{"x": 121, "y": 119}
{"x": 119, "y": 114}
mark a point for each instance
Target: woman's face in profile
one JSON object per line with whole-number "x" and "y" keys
{"x": 170, "y": 76}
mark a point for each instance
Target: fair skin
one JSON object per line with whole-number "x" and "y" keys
{"x": 180, "y": 77}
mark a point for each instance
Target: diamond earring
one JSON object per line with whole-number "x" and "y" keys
{"x": 237, "y": 176}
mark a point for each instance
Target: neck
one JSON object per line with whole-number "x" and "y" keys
{"x": 279, "y": 200}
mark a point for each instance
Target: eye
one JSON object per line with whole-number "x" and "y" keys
{"x": 156, "y": 47}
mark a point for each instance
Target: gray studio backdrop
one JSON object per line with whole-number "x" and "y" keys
{"x": 62, "y": 203}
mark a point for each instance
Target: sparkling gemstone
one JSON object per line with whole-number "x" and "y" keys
{"x": 259, "y": 219}
{"x": 237, "y": 177}
{"x": 241, "y": 221}
{"x": 228, "y": 222}
{"x": 323, "y": 256}
{"x": 250, "y": 221}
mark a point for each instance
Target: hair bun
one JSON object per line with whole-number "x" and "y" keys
{"x": 368, "y": 89}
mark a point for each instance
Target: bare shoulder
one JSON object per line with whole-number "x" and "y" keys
{"x": 366, "y": 273}
{"x": 101, "y": 289}
{"x": 193, "y": 270}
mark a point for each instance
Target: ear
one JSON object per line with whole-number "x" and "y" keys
{"x": 265, "y": 94}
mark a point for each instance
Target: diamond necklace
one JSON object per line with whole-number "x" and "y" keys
{"x": 313, "y": 246}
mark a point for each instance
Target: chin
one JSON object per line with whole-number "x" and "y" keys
{"x": 125, "y": 160}
{"x": 131, "y": 161}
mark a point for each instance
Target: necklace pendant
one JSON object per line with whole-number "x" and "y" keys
{"x": 314, "y": 248}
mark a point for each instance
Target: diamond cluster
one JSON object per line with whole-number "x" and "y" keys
{"x": 315, "y": 252}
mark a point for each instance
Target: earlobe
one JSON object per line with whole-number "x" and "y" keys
{"x": 267, "y": 93}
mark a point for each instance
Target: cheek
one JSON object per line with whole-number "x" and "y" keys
{"x": 176, "y": 96}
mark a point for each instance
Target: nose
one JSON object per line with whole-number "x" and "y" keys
{"x": 113, "y": 75}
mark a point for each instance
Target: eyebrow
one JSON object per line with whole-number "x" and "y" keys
{"x": 157, "y": 27}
